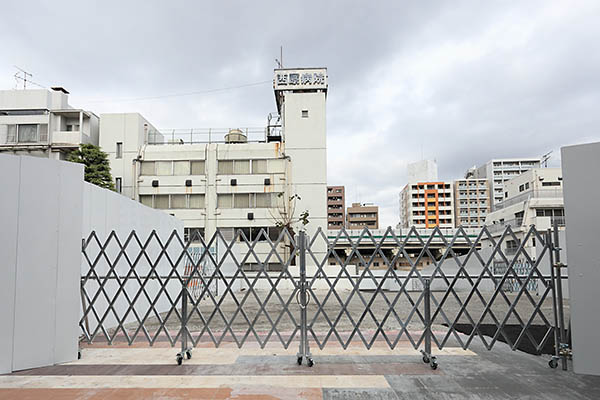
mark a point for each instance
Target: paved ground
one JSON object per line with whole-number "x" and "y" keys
{"x": 145, "y": 372}
{"x": 451, "y": 310}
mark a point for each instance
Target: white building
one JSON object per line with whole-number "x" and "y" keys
{"x": 231, "y": 179}
{"x": 532, "y": 198}
{"x": 41, "y": 123}
{"x": 427, "y": 205}
{"x": 499, "y": 171}
{"x": 422, "y": 171}
{"x": 471, "y": 202}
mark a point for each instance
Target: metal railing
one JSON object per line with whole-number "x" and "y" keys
{"x": 204, "y": 135}
{"x": 152, "y": 288}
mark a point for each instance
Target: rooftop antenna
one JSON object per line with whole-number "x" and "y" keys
{"x": 280, "y": 60}
{"x": 545, "y": 159}
{"x": 23, "y": 77}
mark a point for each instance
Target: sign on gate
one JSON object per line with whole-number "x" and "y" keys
{"x": 206, "y": 269}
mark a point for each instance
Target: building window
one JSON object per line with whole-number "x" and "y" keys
{"x": 147, "y": 168}
{"x": 263, "y": 200}
{"x": 241, "y": 200}
{"x": 27, "y": 133}
{"x": 161, "y": 201}
{"x": 224, "y": 201}
{"x": 198, "y": 167}
{"x": 304, "y": 113}
{"x": 241, "y": 167}
{"x": 178, "y": 201}
{"x": 118, "y": 185}
{"x": 193, "y": 235}
{"x": 164, "y": 167}
{"x": 119, "y": 150}
{"x": 225, "y": 167}
{"x": 197, "y": 201}
{"x": 259, "y": 166}
{"x": 146, "y": 200}
{"x": 181, "y": 167}
{"x": 173, "y": 201}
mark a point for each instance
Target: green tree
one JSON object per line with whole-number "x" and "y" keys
{"x": 97, "y": 168}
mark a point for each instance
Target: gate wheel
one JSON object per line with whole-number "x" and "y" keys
{"x": 179, "y": 359}
{"x": 310, "y": 362}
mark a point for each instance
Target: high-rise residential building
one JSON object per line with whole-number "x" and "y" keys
{"x": 336, "y": 206}
{"x": 41, "y": 122}
{"x": 233, "y": 180}
{"x": 499, "y": 171}
{"x": 360, "y": 216}
{"x": 471, "y": 202}
{"x": 427, "y": 205}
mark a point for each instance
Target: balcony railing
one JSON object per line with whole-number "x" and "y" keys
{"x": 531, "y": 194}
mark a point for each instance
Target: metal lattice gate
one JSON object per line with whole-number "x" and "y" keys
{"x": 426, "y": 289}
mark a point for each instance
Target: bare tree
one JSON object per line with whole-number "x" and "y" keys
{"x": 284, "y": 216}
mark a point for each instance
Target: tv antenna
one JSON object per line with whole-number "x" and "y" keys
{"x": 545, "y": 159}
{"x": 279, "y": 61}
{"x": 23, "y": 76}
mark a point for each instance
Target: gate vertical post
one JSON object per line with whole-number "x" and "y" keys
{"x": 557, "y": 341}
{"x": 559, "y": 295}
{"x": 427, "y": 357}
{"x": 304, "y": 349}
{"x": 186, "y": 352}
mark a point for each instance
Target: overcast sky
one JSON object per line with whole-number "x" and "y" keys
{"x": 460, "y": 82}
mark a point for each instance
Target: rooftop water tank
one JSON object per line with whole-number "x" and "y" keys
{"x": 236, "y": 136}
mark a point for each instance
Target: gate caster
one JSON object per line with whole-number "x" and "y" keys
{"x": 433, "y": 362}
{"x": 79, "y": 354}
{"x": 188, "y": 354}
{"x": 299, "y": 361}
{"x": 426, "y": 359}
{"x": 179, "y": 359}
{"x": 310, "y": 362}
{"x": 553, "y": 363}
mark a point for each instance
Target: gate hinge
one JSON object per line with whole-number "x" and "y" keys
{"x": 560, "y": 265}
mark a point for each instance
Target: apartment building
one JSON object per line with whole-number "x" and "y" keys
{"x": 336, "y": 206}
{"x": 42, "y": 123}
{"x": 533, "y": 198}
{"x": 361, "y": 216}
{"x": 471, "y": 202}
{"x": 427, "y": 205}
{"x": 499, "y": 171}
{"x": 233, "y": 179}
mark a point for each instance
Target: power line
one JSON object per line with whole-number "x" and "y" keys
{"x": 182, "y": 94}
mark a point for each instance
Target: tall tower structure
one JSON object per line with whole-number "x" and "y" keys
{"x": 301, "y": 94}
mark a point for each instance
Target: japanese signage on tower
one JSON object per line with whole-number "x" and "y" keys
{"x": 300, "y": 79}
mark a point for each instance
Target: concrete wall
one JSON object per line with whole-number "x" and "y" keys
{"x": 41, "y": 211}
{"x": 581, "y": 165}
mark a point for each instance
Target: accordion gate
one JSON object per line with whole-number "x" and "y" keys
{"x": 307, "y": 290}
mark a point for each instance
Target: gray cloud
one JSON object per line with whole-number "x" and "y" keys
{"x": 460, "y": 82}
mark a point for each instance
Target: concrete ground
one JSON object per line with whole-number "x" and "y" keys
{"x": 142, "y": 372}
{"x": 402, "y": 314}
